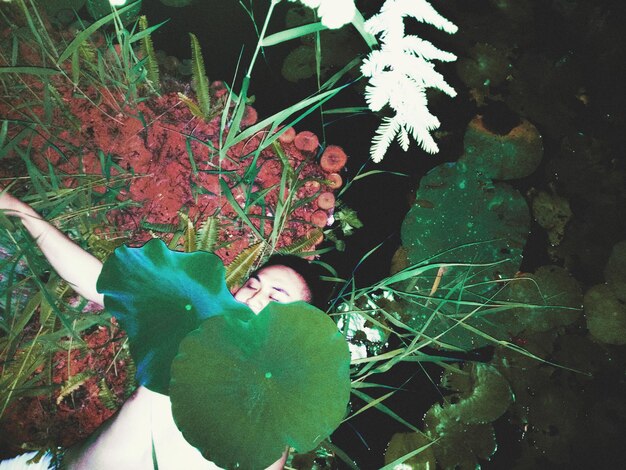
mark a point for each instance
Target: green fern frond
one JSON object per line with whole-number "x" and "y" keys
{"x": 131, "y": 371}
{"x": 147, "y": 48}
{"x": 72, "y": 384}
{"x": 190, "y": 237}
{"x": 16, "y": 372}
{"x": 162, "y": 228}
{"x": 206, "y": 237}
{"x": 183, "y": 219}
{"x": 87, "y": 52}
{"x": 191, "y": 104}
{"x": 303, "y": 243}
{"x": 106, "y": 396}
{"x": 239, "y": 268}
{"x": 199, "y": 76}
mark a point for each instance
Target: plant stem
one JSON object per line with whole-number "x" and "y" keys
{"x": 262, "y": 35}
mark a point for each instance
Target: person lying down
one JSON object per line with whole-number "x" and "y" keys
{"x": 143, "y": 288}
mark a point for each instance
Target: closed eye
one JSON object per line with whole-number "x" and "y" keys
{"x": 252, "y": 283}
{"x": 279, "y": 295}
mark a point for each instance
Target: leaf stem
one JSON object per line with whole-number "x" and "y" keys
{"x": 261, "y": 36}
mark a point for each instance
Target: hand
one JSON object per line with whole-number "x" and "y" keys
{"x": 12, "y": 206}
{"x": 75, "y": 265}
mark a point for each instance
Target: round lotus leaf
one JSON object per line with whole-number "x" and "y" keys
{"x": 460, "y": 216}
{"x": 176, "y": 3}
{"x": 545, "y": 300}
{"x": 403, "y": 443}
{"x": 605, "y": 314}
{"x": 615, "y": 270}
{"x": 54, "y": 6}
{"x": 487, "y": 65}
{"x": 502, "y": 157}
{"x": 458, "y": 444}
{"x": 483, "y": 398}
{"x": 299, "y": 15}
{"x": 100, "y": 8}
{"x": 552, "y": 212}
{"x": 299, "y": 64}
{"x": 479, "y": 229}
{"x": 242, "y": 391}
{"x": 158, "y": 296}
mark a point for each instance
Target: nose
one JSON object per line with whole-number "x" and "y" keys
{"x": 257, "y": 302}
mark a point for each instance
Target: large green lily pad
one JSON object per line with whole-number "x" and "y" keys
{"x": 483, "y": 395}
{"x": 549, "y": 298}
{"x": 605, "y": 313}
{"x": 159, "y": 296}
{"x": 477, "y": 229}
{"x": 502, "y": 157}
{"x": 242, "y": 391}
{"x": 403, "y": 443}
{"x": 458, "y": 445}
{"x": 462, "y": 216}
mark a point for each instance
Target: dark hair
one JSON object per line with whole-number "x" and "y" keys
{"x": 311, "y": 274}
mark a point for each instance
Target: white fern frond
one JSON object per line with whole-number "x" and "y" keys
{"x": 419, "y": 119}
{"x": 401, "y": 71}
{"x": 379, "y": 90}
{"x": 424, "y": 12}
{"x": 380, "y": 23}
{"x": 424, "y": 74}
{"x": 382, "y": 139}
{"x": 403, "y": 139}
{"x": 374, "y": 63}
{"x": 408, "y": 97}
{"x": 415, "y": 45}
{"x": 420, "y": 129}
{"x": 425, "y": 140}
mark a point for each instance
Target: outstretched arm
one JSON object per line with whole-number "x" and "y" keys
{"x": 79, "y": 268}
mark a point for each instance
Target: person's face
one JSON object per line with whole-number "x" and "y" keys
{"x": 272, "y": 284}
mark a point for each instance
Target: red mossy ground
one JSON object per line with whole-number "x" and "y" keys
{"x": 33, "y": 422}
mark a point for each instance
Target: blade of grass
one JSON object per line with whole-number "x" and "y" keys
{"x": 237, "y": 208}
{"x": 400, "y": 460}
{"x": 87, "y": 32}
{"x": 292, "y": 33}
{"x": 30, "y": 70}
{"x": 377, "y": 403}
